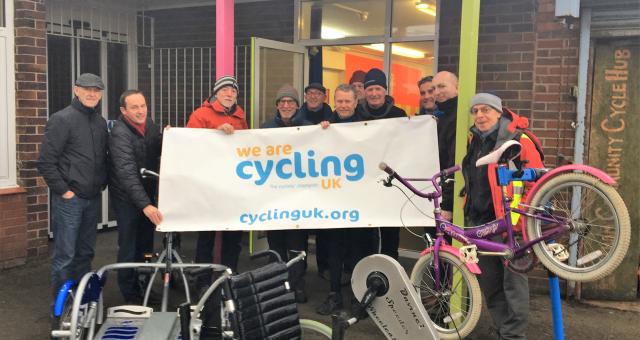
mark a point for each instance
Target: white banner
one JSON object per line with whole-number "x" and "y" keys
{"x": 300, "y": 177}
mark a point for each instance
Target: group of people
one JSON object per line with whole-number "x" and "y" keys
{"x": 79, "y": 157}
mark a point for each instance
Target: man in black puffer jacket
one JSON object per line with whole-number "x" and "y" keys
{"x": 73, "y": 162}
{"x": 134, "y": 144}
{"x": 446, "y": 93}
{"x": 378, "y": 105}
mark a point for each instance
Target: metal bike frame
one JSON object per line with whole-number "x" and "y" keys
{"x": 479, "y": 235}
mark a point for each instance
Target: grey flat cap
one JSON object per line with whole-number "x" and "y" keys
{"x": 89, "y": 80}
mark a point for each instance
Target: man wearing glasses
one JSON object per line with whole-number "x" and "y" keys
{"x": 283, "y": 242}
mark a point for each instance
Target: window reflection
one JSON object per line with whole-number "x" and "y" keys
{"x": 413, "y": 18}
{"x": 409, "y": 63}
{"x": 341, "y": 19}
{"x": 340, "y": 62}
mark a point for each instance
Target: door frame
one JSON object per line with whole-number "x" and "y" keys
{"x": 299, "y": 79}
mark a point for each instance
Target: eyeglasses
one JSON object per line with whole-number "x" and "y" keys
{"x": 483, "y": 109}
{"x": 315, "y": 93}
{"x": 287, "y": 102}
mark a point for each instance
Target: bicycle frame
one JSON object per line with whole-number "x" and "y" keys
{"x": 479, "y": 235}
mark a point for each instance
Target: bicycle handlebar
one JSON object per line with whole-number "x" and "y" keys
{"x": 405, "y": 181}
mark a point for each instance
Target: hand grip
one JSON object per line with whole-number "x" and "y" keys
{"x": 384, "y": 167}
{"x": 451, "y": 170}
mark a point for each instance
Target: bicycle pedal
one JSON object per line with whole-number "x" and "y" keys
{"x": 558, "y": 251}
{"x": 469, "y": 254}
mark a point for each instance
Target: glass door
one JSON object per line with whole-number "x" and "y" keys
{"x": 274, "y": 64}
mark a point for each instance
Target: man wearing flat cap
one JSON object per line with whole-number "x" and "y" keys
{"x": 314, "y": 107}
{"x": 73, "y": 163}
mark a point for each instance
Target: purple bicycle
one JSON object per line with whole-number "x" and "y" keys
{"x": 574, "y": 220}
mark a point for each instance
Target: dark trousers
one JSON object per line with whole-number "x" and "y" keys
{"x": 135, "y": 238}
{"x": 74, "y": 223}
{"x": 506, "y": 294}
{"x": 282, "y": 241}
{"x": 230, "y": 252}
{"x": 389, "y": 241}
{"x": 322, "y": 249}
{"x": 345, "y": 248}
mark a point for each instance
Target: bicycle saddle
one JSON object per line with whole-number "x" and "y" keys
{"x": 506, "y": 152}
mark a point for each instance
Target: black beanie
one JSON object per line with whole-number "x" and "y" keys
{"x": 375, "y": 76}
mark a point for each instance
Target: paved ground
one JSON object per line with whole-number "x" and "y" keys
{"x": 24, "y": 305}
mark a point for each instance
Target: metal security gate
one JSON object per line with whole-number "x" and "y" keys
{"x": 101, "y": 38}
{"x": 184, "y": 77}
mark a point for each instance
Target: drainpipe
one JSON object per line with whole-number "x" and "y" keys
{"x": 581, "y": 111}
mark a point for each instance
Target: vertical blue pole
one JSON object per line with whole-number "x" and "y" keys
{"x": 556, "y": 307}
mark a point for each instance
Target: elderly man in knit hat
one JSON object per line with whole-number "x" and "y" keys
{"x": 220, "y": 112}
{"x": 506, "y": 292}
{"x": 284, "y": 242}
{"x": 379, "y": 105}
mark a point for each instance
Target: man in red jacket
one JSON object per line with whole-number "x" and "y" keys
{"x": 221, "y": 112}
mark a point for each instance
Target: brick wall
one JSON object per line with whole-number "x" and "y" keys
{"x": 31, "y": 116}
{"x": 555, "y": 72}
{"x": 528, "y": 58}
{"x": 13, "y": 227}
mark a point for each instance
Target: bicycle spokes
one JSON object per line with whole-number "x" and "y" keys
{"x": 595, "y": 223}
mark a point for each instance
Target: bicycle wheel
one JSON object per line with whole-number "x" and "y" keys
{"x": 599, "y": 227}
{"x": 455, "y": 307}
{"x": 312, "y": 329}
{"x": 64, "y": 321}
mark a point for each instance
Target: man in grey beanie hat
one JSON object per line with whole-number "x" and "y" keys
{"x": 487, "y": 99}
{"x": 288, "y": 114}
{"x": 287, "y": 91}
{"x": 505, "y": 291}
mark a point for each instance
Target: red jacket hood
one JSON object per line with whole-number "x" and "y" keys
{"x": 517, "y": 122}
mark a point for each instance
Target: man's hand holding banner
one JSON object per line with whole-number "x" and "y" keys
{"x": 300, "y": 177}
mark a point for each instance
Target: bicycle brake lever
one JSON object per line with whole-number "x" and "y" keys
{"x": 387, "y": 182}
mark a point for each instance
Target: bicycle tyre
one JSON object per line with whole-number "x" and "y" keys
{"x": 315, "y": 327}
{"x": 599, "y": 202}
{"x": 64, "y": 321}
{"x": 435, "y": 303}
